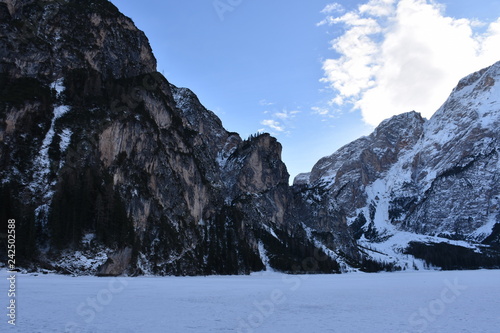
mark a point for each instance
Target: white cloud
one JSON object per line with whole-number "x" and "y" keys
{"x": 332, "y": 8}
{"x": 328, "y": 112}
{"x": 281, "y": 120}
{"x": 282, "y": 115}
{"x": 320, "y": 110}
{"x": 285, "y": 114}
{"x": 264, "y": 102}
{"x": 273, "y": 124}
{"x": 377, "y": 7}
{"x": 400, "y": 55}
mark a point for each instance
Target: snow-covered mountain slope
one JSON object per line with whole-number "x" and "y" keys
{"x": 360, "y": 163}
{"x": 431, "y": 181}
{"x": 448, "y": 183}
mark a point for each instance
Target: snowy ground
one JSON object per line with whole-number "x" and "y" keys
{"x": 424, "y": 301}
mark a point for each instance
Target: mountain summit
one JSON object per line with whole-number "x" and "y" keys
{"x": 414, "y": 180}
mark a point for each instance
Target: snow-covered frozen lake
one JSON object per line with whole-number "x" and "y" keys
{"x": 425, "y": 301}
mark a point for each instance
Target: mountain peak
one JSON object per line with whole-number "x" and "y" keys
{"x": 378, "y": 150}
{"x": 413, "y": 178}
{"x": 48, "y": 38}
{"x": 406, "y": 120}
{"x": 475, "y": 100}
{"x": 480, "y": 80}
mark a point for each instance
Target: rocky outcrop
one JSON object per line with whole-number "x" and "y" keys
{"x": 116, "y": 264}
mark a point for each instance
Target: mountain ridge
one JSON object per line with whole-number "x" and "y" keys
{"x": 422, "y": 191}
{"x": 110, "y": 169}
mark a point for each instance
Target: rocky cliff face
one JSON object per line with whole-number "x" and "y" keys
{"x": 421, "y": 181}
{"x": 110, "y": 169}
{"x": 357, "y": 165}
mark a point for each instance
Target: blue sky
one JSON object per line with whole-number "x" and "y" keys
{"x": 317, "y": 74}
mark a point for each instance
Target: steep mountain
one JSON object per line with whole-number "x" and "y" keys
{"x": 108, "y": 168}
{"x": 413, "y": 183}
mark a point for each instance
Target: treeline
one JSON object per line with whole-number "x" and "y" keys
{"x": 453, "y": 257}
{"x": 256, "y": 135}
{"x": 84, "y": 202}
{"x": 81, "y": 203}
{"x": 294, "y": 254}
